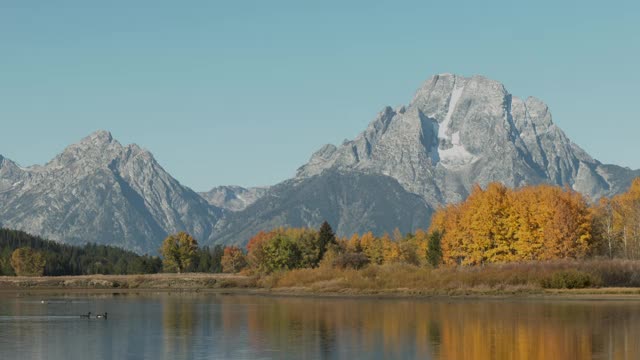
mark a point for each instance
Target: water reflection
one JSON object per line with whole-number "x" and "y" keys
{"x": 446, "y": 330}
{"x": 208, "y": 326}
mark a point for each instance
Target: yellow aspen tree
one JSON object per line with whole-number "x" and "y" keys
{"x": 605, "y": 242}
{"x": 568, "y": 232}
{"x": 421, "y": 241}
{"x": 390, "y": 249}
{"x": 353, "y": 244}
{"x": 372, "y": 247}
{"x": 626, "y": 220}
{"x": 447, "y": 220}
{"x": 531, "y": 209}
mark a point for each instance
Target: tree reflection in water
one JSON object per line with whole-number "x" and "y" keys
{"x": 210, "y": 326}
{"x": 334, "y": 328}
{"x": 179, "y": 321}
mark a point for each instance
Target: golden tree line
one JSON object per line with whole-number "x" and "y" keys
{"x": 408, "y": 248}
{"x": 498, "y": 224}
{"x": 541, "y": 222}
{"x": 293, "y": 248}
{"x": 495, "y": 224}
{"x": 617, "y": 224}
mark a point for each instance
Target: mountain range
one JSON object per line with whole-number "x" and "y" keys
{"x": 456, "y": 132}
{"x": 102, "y": 192}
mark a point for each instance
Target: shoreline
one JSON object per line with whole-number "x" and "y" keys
{"x": 228, "y": 284}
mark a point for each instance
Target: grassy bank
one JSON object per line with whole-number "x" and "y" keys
{"x": 190, "y": 281}
{"x": 516, "y": 278}
{"x": 550, "y": 278}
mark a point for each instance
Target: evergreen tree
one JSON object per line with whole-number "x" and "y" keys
{"x": 216, "y": 259}
{"x": 326, "y": 238}
{"x": 434, "y": 250}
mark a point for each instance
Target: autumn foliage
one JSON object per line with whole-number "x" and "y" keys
{"x": 617, "y": 225}
{"x": 27, "y": 262}
{"x": 178, "y": 252}
{"x": 497, "y": 224}
{"x": 493, "y": 225}
{"x": 385, "y": 249}
{"x": 289, "y": 248}
{"x": 233, "y": 259}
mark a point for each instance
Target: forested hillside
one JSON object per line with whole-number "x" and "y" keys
{"x": 61, "y": 259}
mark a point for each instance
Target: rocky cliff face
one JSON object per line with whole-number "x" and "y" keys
{"x": 100, "y": 191}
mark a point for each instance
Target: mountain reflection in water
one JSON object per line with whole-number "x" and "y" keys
{"x": 209, "y": 326}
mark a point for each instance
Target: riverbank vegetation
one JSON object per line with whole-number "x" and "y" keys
{"x": 499, "y": 239}
{"x": 506, "y": 278}
{"x": 140, "y": 282}
{"x": 533, "y": 237}
{"x": 585, "y": 277}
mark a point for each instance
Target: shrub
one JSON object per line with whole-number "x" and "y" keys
{"x": 621, "y": 273}
{"x": 570, "y": 279}
{"x": 351, "y": 260}
{"x": 27, "y": 262}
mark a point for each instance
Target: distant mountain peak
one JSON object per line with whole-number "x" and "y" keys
{"x": 99, "y": 136}
{"x": 97, "y": 149}
{"x": 451, "y": 136}
{"x": 99, "y": 191}
{"x": 10, "y": 174}
{"x": 100, "y": 139}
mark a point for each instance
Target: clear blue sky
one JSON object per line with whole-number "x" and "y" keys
{"x": 242, "y": 92}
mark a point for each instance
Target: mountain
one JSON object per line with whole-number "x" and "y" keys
{"x": 456, "y": 132}
{"x": 233, "y": 198}
{"x": 350, "y": 201}
{"x": 100, "y": 191}
{"x": 460, "y": 131}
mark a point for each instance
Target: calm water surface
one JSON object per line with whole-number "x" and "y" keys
{"x": 210, "y": 326}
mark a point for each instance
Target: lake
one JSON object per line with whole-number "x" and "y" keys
{"x": 216, "y": 326}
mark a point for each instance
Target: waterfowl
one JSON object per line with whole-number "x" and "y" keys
{"x": 102, "y": 316}
{"x": 86, "y": 316}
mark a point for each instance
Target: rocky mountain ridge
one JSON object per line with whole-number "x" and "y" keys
{"x": 460, "y": 131}
{"x": 233, "y": 198}
{"x": 100, "y": 191}
{"x": 457, "y": 131}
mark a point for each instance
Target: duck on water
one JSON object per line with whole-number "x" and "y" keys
{"x": 98, "y": 316}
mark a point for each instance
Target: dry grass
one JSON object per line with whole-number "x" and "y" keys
{"x": 191, "y": 281}
{"x": 495, "y": 278}
{"x": 621, "y": 276}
